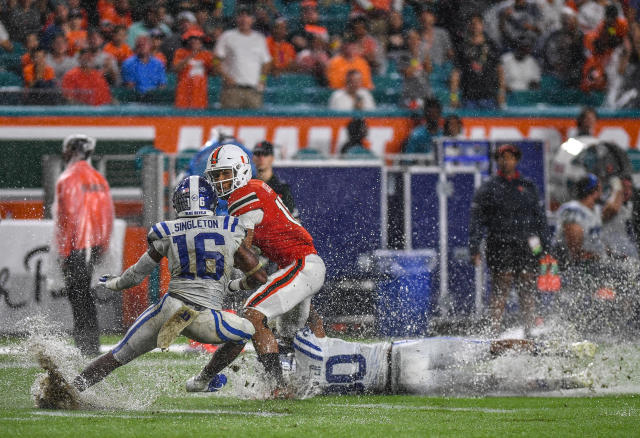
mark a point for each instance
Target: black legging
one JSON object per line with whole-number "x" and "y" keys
{"x": 77, "y": 276}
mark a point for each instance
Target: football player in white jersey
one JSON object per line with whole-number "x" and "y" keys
{"x": 429, "y": 366}
{"x": 202, "y": 250}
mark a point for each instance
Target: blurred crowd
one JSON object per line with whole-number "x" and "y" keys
{"x": 481, "y": 50}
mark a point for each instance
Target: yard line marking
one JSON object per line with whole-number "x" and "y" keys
{"x": 221, "y": 411}
{"x": 429, "y": 408}
{"x": 162, "y": 411}
{"x": 89, "y": 415}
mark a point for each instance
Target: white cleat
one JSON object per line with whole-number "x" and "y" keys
{"x": 198, "y": 384}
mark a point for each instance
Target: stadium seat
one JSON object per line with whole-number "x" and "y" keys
{"x": 309, "y": 154}
{"x": 359, "y": 153}
{"x": 8, "y": 79}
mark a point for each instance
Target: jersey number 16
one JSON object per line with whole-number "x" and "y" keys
{"x": 202, "y": 256}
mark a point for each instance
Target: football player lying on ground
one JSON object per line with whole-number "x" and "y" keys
{"x": 428, "y": 366}
{"x": 286, "y": 296}
{"x": 202, "y": 250}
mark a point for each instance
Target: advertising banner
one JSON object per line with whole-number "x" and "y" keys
{"x": 386, "y": 134}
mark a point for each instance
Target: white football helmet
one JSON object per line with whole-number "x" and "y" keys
{"x": 225, "y": 157}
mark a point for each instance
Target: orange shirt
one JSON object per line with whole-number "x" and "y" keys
{"x": 86, "y": 86}
{"x": 83, "y": 209}
{"x": 384, "y": 5}
{"x": 191, "y": 87}
{"x": 620, "y": 30}
{"x": 338, "y": 68}
{"x": 29, "y": 74}
{"x": 160, "y": 57}
{"x": 108, "y": 12}
{"x": 75, "y": 39}
{"x": 282, "y": 53}
{"x": 121, "y": 52}
{"x": 26, "y": 59}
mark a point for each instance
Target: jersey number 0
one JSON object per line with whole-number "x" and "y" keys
{"x": 202, "y": 256}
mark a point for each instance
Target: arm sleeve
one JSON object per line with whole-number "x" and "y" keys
{"x": 250, "y": 219}
{"x": 136, "y": 273}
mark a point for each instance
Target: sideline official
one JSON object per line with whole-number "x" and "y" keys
{"x": 83, "y": 214}
{"x": 508, "y": 210}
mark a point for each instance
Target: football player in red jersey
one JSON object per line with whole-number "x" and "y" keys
{"x": 286, "y": 296}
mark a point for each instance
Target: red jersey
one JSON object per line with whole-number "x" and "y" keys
{"x": 279, "y": 236}
{"x": 83, "y": 209}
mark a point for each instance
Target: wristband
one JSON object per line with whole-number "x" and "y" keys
{"x": 453, "y": 97}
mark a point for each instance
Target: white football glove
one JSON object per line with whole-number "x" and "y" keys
{"x": 109, "y": 281}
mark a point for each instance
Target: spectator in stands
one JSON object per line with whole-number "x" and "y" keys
{"x": 523, "y": 18}
{"x": 521, "y": 70}
{"x": 435, "y": 40}
{"x": 308, "y": 23}
{"x": 377, "y": 13}
{"x": 59, "y": 59}
{"x": 508, "y": 209}
{"x": 22, "y": 19}
{"x": 315, "y": 58}
{"x": 5, "y": 42}
{"x": 347, "y": 60}
{"x": 117, "y": 47}
{"x": 353, "y": 97}
{"x": 422, "y": 137}
{"x": 601, "y": 43}
{"x": 367, "y": 46}
{"x": 357, "y": 131}
{"x": 84, "y": 84}
{"x": 624, "y": 74}
{"x": 39, "y": 74}
{"x": 263, "y": 159}
{"x": 60, "y": 25}
{"x": 395, "y": 40}
{"x": 415, "y": 67}
{"x": 244, "y": 63}
{"x": 76, "y": 35}
{"x": 31, "y": 44}
{"x": 150, "y": 20}
{"x": 157, "y": 38}
{"x": 142, "y": 72}
{"x": 101, "y": 60}
{"x": 281, "y": 50}
{"x": 193, "y": 65}
{"x": 173, "y": 41}
{"x": 590, "y": 13}
{"x": 117, "y": 12}
{"x": 453, "y": 126}
{"x": 478, "y": 74}
{"x": 563, "y": 51}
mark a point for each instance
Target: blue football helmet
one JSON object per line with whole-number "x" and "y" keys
{"x": 194, "y": 196}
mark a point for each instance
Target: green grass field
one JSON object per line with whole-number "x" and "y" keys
{"x": 146, "y": 398}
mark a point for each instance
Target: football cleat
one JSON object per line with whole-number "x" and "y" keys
{"x": 197, "y": 384}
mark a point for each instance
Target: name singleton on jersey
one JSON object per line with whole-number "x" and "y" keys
{"x": 195, "y": 223}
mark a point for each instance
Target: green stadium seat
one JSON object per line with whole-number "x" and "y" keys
{"x": 9, "y": 79}
{"x": 359, "y": 153}
{"x": 309, "y": 154}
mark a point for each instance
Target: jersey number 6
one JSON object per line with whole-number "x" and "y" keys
{"x": 202, "y": 256}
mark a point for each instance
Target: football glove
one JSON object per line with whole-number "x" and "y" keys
{"x": 109, "y": 281}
